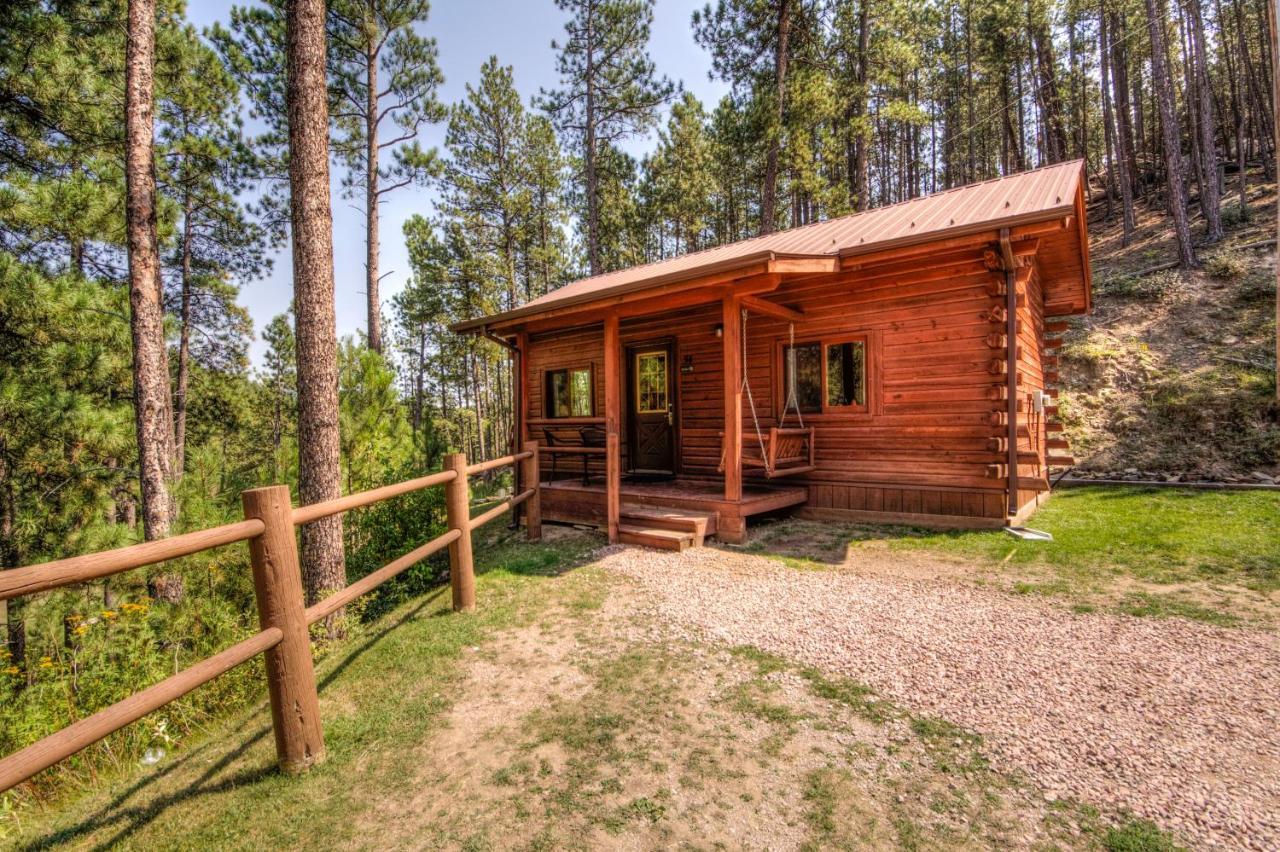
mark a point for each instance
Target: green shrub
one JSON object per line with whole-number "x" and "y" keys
{"x": 1226, "y": 266}
{"x": 1236, "y": 215}
{"x": 105, "y": 655}
{"x": 1152, "y": 285}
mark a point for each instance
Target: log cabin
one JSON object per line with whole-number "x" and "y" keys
{"x": 896, "y": 365}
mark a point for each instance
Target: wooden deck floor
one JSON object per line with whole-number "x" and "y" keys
{"x": 568, "y": 500}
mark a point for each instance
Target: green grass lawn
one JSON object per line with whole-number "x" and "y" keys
{"x": 1152, "y": 551}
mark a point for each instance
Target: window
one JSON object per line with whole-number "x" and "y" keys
{"x": 569, "y": 393}
{"x": 651, "y": 382}
{"x": 846, "y": 374}
{"x": 808, "y": 375}
{"x": 829, "y": 375}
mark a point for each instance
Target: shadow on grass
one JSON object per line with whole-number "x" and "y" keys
{"x": 824, "y": 543}
{"x": 499, "y": 550}
{"x": 137, "y": 817}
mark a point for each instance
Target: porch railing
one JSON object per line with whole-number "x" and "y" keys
{"x": 269, "y": 528}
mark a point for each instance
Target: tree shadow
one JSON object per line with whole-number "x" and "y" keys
{"x": 822, "y": 543}
{"x": 133, "y": 818}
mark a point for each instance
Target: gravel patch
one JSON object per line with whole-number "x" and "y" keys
{"x": 1176, "y": 721}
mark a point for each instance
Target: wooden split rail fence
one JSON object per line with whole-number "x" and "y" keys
{"x": 269, "y": 527}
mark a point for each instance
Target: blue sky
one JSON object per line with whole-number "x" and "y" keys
{"x": 519, "y": 33}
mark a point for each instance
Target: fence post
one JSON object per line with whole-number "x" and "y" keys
{"x": 529, "y": 478}
{"x": 277, "y": 585}
{"x": 457, "y": 500}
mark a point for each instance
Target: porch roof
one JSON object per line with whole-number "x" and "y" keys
{"x": 1021, "y": 199}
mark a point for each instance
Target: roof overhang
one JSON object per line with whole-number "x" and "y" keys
{"x": 714, "y": 273}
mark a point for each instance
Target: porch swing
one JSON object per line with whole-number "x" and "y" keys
{"x": 781, "y": 450}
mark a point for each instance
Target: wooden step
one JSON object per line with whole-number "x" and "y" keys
{"x": 698, "y": 524}
{"x": 654, "y": 537}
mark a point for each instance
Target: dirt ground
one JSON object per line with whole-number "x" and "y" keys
{"x": 629, "y": 738}
{"x": 723, "y": 700}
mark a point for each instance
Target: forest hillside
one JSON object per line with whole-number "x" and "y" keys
{"x": 1172, "y": 377}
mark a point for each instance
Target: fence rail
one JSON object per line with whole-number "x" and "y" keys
{"x": 270, "y": 529}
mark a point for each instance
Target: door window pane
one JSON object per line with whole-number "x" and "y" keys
{"x": 807, "y": 371}
{"x": 651, "y": 382}
{"x": 846, "y": 374}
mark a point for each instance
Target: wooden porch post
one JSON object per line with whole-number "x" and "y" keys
{"x": 612, "y": 418}
{"x": 520, "y": 429}
{"x": 732, "y": 346}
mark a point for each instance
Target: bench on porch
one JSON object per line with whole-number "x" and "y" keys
{"x": 572, "y": 441}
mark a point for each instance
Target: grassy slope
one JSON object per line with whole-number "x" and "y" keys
{"x": 1210, "y": 555}
{"x": 1173, "y": 373}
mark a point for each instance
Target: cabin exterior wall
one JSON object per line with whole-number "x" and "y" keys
{"x": 930, "y": 446}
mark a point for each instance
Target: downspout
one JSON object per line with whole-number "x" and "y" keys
{"x": 1011, "y": 354}
{"x": 518, "y": 405}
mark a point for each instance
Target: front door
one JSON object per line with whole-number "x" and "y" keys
{"x": 652, "y": 403}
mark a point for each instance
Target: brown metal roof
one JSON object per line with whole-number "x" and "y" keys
{"x": 1032, "y": 196}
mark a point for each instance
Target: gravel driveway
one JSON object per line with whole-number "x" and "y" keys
{"x": 1176, "y": 721}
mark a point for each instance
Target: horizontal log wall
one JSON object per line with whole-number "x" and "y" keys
{"x": 928, "y": 445}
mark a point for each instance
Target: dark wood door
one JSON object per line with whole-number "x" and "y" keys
{"x": 652, "y": 404}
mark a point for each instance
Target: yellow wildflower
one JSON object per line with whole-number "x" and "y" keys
{"x": 81, "y": 630}
{"x": 46, "y": 664}
{"x": 13, "y": 670}
{"x": 73, "y": 618}
{"x": 108, "y": 613}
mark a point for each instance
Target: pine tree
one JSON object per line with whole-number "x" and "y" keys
{"x": 545, "y": 251}
{"x": 609, "y": 91}
{"x": 484, "y": 182}
{"x": 381, "y": 69}
{"x": 208, "y": 166}
{"x": 1175, "y": 176}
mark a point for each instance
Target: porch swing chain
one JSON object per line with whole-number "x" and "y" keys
{"x": 791, "y": 402}
{"x": 751, "y": 400}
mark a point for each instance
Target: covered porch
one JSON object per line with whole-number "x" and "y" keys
{"x": 662, "y": 425}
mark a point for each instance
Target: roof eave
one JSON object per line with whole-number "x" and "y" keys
{"x": 1035, "y": 218}
{"x": 684, "y": 275}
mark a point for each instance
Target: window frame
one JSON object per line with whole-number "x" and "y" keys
{"x": 870, "y": 391}
{"x": 548, "y": 397}
{"x": 666, "y": 391}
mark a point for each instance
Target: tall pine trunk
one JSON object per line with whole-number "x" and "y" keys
{"x": 1175, "y": 173}
{"x": 152, "y": 404}
{"x": 323, "y": 564}
{"x": 782, "y": 47}
{"x": 371, "y": 195}
{"x": 1210, "y": 197}
{"x": 860, "y": 160}
{"x": 184, "y": 345}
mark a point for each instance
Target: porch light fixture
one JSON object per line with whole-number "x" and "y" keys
{"x": 719, "y": 330}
